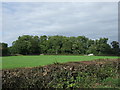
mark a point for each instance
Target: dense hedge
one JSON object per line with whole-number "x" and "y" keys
{"x": 84, "y": 74}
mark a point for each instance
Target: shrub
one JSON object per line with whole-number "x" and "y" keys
{"x": 89, "y": 74}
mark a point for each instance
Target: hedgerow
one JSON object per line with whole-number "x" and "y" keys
{"x": 84, "y": 74}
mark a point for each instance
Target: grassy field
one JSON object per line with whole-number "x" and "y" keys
{"x": 32, "y": 61}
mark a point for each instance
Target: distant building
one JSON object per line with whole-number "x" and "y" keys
{"x": 91, "y": 54}
{"x": 41, "y": 54}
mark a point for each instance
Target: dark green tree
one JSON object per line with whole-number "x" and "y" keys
{"x": 26, "y": 45}
{"x": 115, "y": 48}
{"x": 3, "y": 49}
{"x": 100, "y": 47}
{"x": 43, "y": 44}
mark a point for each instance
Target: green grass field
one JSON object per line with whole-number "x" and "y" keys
{"x": 32, "y": 61}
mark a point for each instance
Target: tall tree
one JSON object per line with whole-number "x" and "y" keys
{"x": 115, "y": 48}
{"x": 100, "y": 47}
{"x": 26, "y": 45}
{"x": 43, "y": 44}
{"x": 3, "y": 49}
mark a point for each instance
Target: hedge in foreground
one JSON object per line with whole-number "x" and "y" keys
{"x": 103, "y": 73}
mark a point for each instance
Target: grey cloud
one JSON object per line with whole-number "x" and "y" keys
{"x": 93, "y": 20}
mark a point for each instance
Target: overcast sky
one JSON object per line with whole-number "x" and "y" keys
{"x": 93, "y": 20}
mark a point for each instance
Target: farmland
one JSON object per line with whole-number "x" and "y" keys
{"x": 100, "y": 73}
{"x": 59, "y": 46}
{"x": 9, "y": 62}
{"x": 60, "y": 71}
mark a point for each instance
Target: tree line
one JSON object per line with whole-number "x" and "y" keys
{"x": 35, "y": 45}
